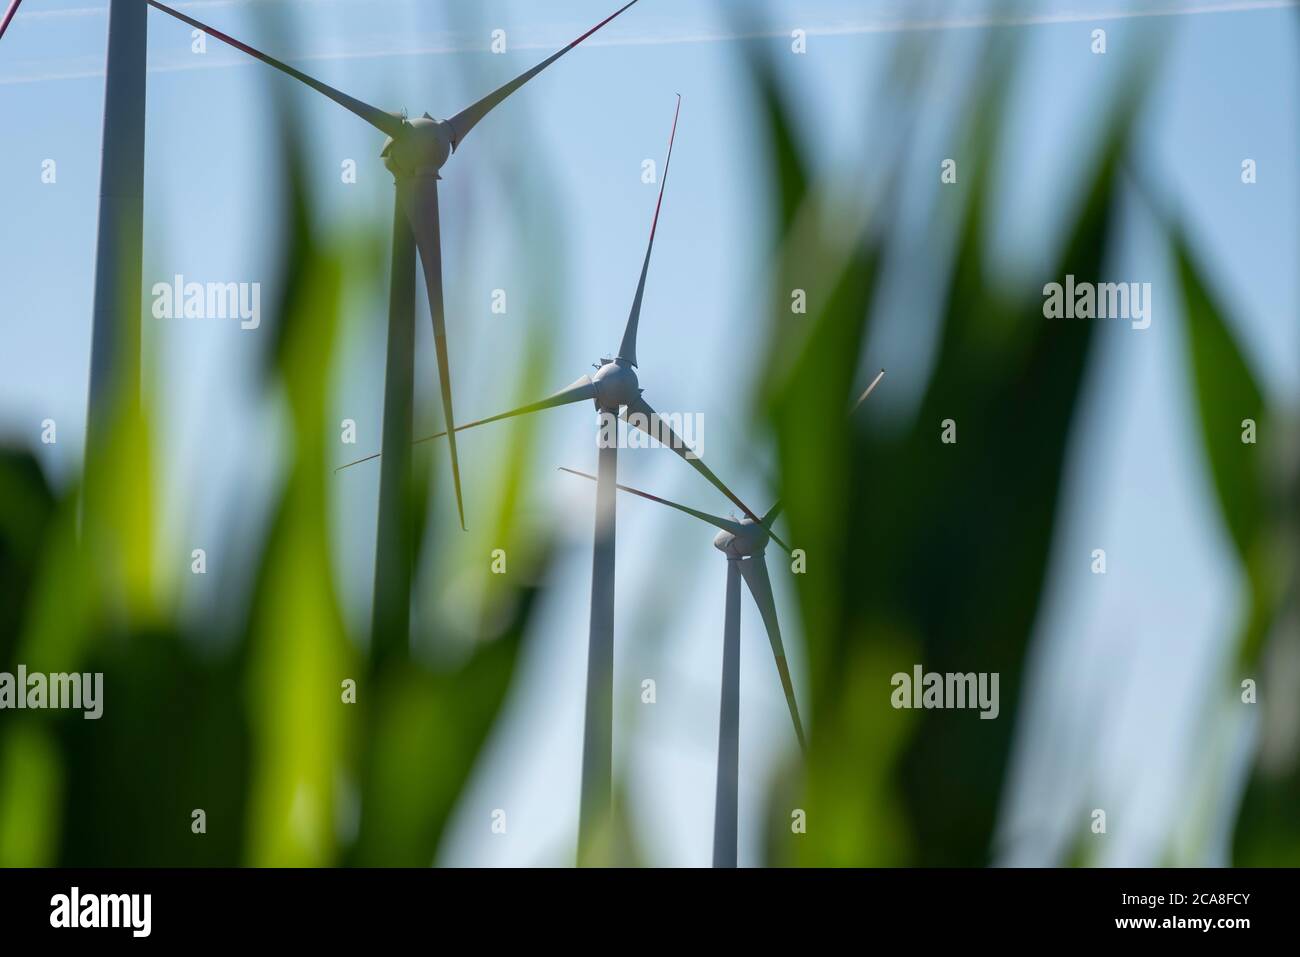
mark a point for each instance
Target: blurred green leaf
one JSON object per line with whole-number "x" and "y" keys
{"x": 429, "y": 728}
{"x": 939, "y": 548}
{"x": 30, "y": 788}
{"x": 1226, "y": 398}
{"x": 172, "y": 738}
{"x": 25, "y": 522}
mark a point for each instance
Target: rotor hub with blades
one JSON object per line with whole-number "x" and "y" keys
{"x": 751, "y": 540}
{"x": 422, "y": 147}
{"x": 616, "y": 385}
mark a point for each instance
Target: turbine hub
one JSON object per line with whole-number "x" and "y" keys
{"x": 751, "y": 540}
{"x": 616, "y": 385}
{"x": 422, "y": 147}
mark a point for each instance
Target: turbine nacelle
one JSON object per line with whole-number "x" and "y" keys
{"x": 751, "y": 540}
{"x": 616, "y": 385}
{"x": 422, "y": 147}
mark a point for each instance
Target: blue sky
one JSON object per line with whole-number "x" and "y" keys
{"x": 1227, "y": 90}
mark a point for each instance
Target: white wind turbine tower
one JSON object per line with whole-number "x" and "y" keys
{"x": 119, "y": 249}
{"x": 119, "y": 257}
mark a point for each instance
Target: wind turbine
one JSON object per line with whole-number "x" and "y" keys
{"x": 414, "y": 152}
{"x": 744, "y": 542}
{"x": 615, "y": 391}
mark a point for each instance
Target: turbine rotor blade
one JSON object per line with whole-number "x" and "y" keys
{"x": 652, "y": 425}
{"x": 381, "y": 120}
{"x": 9, "y": 15}
{"x": 863, "y": 398}
{"x": 726, "y": 524}
{"x": 468, "y": 118}
{"x": 420, "y": 200}
{"x": 627, "y": 349}
{"x": 754, "y": 571}
{"x": 574, "y": 392}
